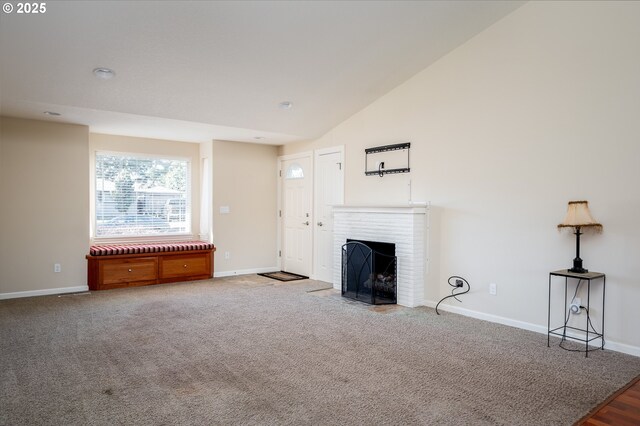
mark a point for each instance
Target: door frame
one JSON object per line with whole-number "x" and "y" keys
{"x": 316, "y": 154}
{"x": 282, "y": 159}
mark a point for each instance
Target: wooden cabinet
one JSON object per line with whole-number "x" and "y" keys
{"x": 128, "y": 270}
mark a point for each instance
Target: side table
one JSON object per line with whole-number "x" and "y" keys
{"x": 562, "y": 330}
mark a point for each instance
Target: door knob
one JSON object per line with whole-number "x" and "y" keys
{"x": 319, "y": 223}
{"x": 306, "y": 223}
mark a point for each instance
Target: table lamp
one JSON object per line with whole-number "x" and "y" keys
{"x": 578, "y": 217}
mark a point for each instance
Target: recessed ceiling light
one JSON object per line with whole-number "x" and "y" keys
{"x": 258, "y": 137}
{"x": 285, "y": 105}
{"x": 104, "y": 73}
{"x": 51, "y": 113}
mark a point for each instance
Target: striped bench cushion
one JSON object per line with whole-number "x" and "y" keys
{"x": 105, "y": 250}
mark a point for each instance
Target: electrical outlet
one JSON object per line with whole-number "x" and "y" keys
{"x": 493, "y": 289}
{"x": 574, "y": 307}
{"x": 57, "y": 267}
{"x": 227, "y": 255}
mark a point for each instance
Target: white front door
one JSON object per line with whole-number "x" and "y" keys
{"x": 329, "y": 191}
{"x": 296, "y": 215}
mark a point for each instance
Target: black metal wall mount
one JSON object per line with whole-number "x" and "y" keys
{"x": 380, "y": 169}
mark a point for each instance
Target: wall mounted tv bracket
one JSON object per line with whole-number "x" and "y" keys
{"x": 373, "y": 164}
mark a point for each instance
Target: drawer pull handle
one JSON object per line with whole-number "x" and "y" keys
{"x": 185, "y": 266}
{"x": 130, "y": 270}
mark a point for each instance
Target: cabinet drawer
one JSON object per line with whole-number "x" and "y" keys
{"x": 128, "y": 270}
{"x": 185, "y": 265}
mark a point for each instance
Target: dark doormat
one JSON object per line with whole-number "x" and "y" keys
{"x": 283, "y": 276}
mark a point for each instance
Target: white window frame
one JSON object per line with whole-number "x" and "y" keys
{"x": 188, "y": 235}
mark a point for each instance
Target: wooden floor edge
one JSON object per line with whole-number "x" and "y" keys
{"x": 607, "y": 401}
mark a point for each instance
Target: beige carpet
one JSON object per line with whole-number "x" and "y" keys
{"x": 254, "y": 351}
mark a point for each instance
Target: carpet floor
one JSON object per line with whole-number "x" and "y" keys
{"x": 253, "y": 351}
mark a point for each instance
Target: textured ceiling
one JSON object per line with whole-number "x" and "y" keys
{"x": 198, "y": 71}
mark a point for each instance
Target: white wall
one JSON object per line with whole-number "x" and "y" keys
{"x": 245, "y": 181}
{"x": 44, "y": 204}
{"x": 537, "y": 110}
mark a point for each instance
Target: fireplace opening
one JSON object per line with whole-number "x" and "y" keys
{"x": 369, "y": 270}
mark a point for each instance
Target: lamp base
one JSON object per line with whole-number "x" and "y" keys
{"x": 577, "y": 267}
{"x": 578, "y": 271}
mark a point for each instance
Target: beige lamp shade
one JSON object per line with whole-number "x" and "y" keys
{"x": 578, "y": 215}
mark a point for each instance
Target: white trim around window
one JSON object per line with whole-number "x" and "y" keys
{"x": 140, "y": 198}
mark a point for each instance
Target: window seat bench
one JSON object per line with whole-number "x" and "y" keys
{"x": 128, "y": 265}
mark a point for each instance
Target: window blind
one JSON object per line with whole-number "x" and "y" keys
{"x": 141, "y": 196}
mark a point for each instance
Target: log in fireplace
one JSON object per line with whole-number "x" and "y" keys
{"x": 369, "y": 272}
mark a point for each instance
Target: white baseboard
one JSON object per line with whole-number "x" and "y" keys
{"x": 614, "y": 346}
{"x": 245, "y": 272}
{"x": 46, "y": 292}
{"x": 622, "y": 347}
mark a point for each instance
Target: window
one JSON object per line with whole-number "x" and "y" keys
{"x": 139, "y": 196}
{"x": 294, "y": 171}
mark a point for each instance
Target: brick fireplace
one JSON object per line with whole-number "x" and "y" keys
{"x": 404, "y": 226}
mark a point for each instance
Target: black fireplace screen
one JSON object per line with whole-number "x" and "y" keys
{"x": 369, "y": 272}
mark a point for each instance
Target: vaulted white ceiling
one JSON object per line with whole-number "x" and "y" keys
{"x": 198, "y": 71}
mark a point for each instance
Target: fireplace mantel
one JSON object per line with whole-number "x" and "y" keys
{"x": 397, "y": 209}
{"x": 406, "y": 226}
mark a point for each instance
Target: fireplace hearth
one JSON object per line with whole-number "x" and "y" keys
{"x": 369, "y": 272}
